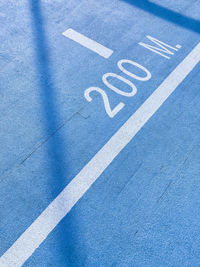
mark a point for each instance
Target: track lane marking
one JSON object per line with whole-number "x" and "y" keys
{"x": 38, "y": 231}
{"x": 88, "y": 43}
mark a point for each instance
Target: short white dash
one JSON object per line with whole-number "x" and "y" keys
{"x": 178, "y": 46}
{"x": 89, "y": 43}
{"x": 38, "y": 231}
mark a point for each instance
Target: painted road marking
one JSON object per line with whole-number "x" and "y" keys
{"x": 161, "y": 49}
{"x": 89, "y": 43}
{"x": 38, "y": 231}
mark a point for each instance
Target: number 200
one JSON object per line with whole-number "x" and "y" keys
{"x": 112, "y": 112}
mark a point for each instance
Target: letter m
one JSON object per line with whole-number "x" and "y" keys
{"x": 162, "y": 48}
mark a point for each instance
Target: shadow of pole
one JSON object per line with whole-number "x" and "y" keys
{"x": 55, "y": 140}
{"x": 167, "y": 14}
{"x": 51, "y": 116}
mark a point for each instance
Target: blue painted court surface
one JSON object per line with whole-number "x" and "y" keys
{"x": 100, "y": 133}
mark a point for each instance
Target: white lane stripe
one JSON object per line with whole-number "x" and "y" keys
{"x": 30, "y": 240}
{"x": 89, "y": 43}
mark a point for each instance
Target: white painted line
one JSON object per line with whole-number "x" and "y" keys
{"x": 31, "y": 239}
{"x": 89, "y": 43}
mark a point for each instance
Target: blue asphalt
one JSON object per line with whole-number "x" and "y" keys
{"x": 144, "y": 210}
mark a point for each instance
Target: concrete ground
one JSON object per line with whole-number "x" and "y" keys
{"x": 100, "y": 133}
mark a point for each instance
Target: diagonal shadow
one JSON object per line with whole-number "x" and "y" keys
{"x": 167, "y": 14}
{"x": 47, "y": 93}
{"x": 55, "y": 141}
